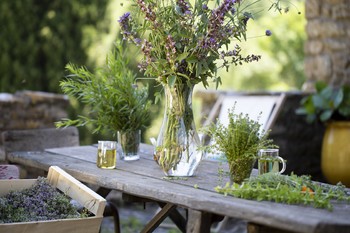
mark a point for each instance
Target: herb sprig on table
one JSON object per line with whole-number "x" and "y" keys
{"x": 291, "y": 189}
{"x": 40, "y": 202}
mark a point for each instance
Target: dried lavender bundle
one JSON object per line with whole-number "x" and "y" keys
{"x": 37, "y": 203}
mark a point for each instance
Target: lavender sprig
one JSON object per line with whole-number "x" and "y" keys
{"x": 40, "y": 202}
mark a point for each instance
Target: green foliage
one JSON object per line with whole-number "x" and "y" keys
{"x": 242, "y": 137}
{"x": 114, "y": 100}
{"x": 240, "y": 142}
{"x": 40, "y": 37}
{"x": 132, "y": 224}
{"x": 327, "y": 103}
{"x": 291, "y": 189}
{"x": 281, "y": 66}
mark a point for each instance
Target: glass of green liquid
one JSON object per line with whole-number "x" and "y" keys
{"x": 269, "y": 160}
{"x": 106, "y": 154}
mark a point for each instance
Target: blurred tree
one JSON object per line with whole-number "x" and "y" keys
{"x": 38, "y": 38}
{"x": 282, "y": 65}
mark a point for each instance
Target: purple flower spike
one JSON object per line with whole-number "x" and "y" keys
{"x": 183, "y": 7}
{"x": 233, "y": 11}
{"x": 137, "y": 41}
{"x": 268, "y": 33}
{"x": 124, "y": 17}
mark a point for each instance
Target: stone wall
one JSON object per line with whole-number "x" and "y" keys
{"x": 327, "y": 49}
{"x": 29, "y": 110}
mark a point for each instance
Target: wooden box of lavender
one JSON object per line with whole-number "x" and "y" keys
{"x": 92, "y": 204}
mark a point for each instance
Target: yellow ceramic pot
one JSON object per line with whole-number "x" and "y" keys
{"x": 336, "y": 153}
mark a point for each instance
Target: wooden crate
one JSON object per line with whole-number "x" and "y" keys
{"x": 71, "y": 187}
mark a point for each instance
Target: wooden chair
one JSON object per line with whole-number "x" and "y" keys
{"x": 41, "y": 139}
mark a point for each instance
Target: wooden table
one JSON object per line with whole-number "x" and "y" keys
{"x": 144, "y": 179}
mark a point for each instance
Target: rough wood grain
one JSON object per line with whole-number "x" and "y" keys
{"x": 144, "y": 178}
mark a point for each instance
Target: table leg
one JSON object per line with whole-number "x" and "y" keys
{"x": 103, "y": 191}
{"x": 176, "y": 217}
{"x": 174, "y": 214}
{"x": 198, "y": 221}
{"x": 257, "y": 228}
{"x": 158, "y": 218}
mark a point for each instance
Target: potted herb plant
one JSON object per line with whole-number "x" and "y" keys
{"x": 331, "y": 105}
{"x": 240, "y": 142}
{"x": 114, "y": 100}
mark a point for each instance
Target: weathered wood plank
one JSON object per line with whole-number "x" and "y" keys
{"x": 209, "y": 170}
{"x": 130, "y": 178}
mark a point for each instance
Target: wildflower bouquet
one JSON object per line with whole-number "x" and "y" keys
{"x": 182, "y": 43}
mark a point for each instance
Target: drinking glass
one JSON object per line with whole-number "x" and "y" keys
{"x": 268, "y": 161}
{"x": 106, "y": 154}
{"x": 130, "y": 144}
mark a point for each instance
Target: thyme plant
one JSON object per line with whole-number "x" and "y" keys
{"x": 114, "y": 100}
{"x": 239, "y": 141}
{"x": 40, "y": 202}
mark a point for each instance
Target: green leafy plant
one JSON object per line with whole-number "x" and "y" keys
{"x": 291, "y": 189}
{"x": 114, "y": 100}
{"x": 327, "y": 103}
{"x": 239, "y": 141}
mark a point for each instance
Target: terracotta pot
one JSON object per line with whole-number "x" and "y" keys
{"x": 336, "y": 153}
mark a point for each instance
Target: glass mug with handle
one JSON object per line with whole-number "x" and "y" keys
{"x": 268, "y": 161}
{"x": 106, "y": 154}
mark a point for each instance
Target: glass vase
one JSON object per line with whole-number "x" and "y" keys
{"x": 177, "y": 144}
{"x": 240, "y": 169}
{"x": 130, "y": 144}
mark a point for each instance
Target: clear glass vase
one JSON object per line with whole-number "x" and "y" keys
{"x": 177, "y": 145}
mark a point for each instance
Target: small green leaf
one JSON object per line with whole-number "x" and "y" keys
{"x": 326, "y": 115}
{"x": 339, "y": 96}
{"x": 320, "y": 85}
{"x": 192, "y": 59}
{"x": 319, "y": 102}
{"x": 182, "y": 56}
{"x": 158, "y": 97}
{"x": 171, "y": 80}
